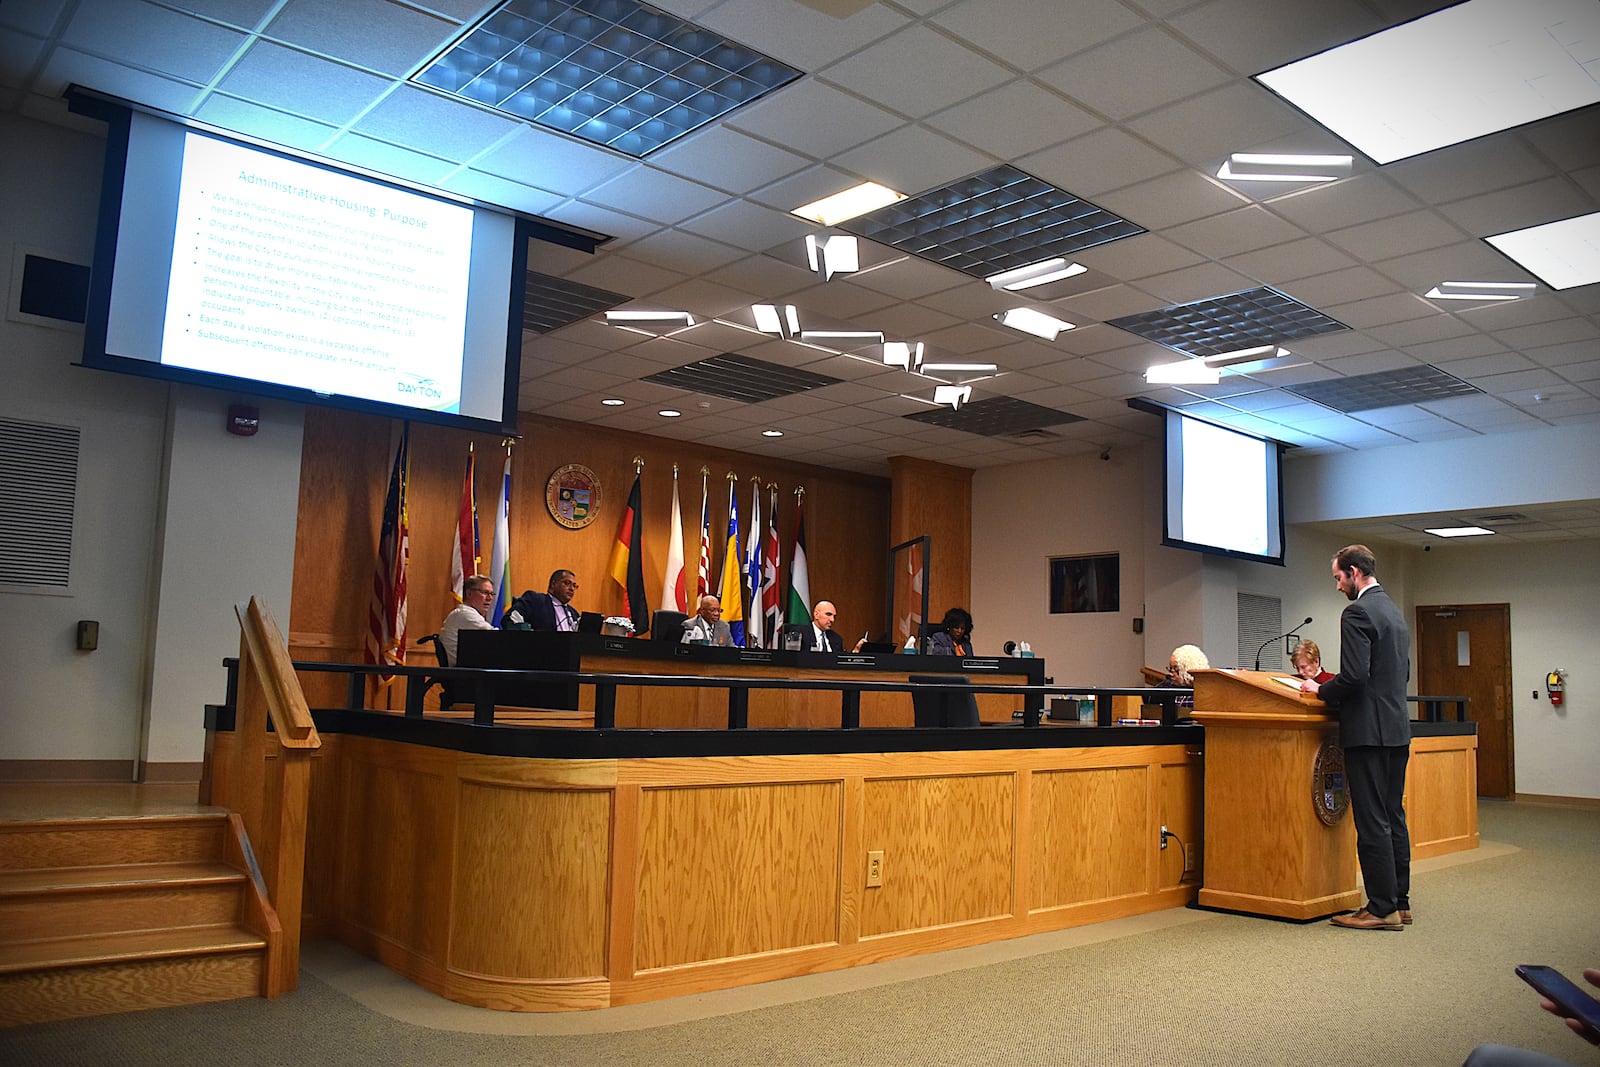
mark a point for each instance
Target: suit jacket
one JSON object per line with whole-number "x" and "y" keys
{"x": 831, "y": 638}
{"x": 696, "y": 628}
{"x": 538, "y": 611}
{"x": 1374, "y": 667}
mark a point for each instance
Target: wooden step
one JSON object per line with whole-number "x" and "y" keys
{"x": 59, "y": 952}
{"x": 85, "y": 842}
{"x": 124, "y": 875}
{"x": 88, "y": 907}
{"x": 71, "y": 978}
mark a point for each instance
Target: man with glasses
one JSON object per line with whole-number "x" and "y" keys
{"x": 477, "y": 598}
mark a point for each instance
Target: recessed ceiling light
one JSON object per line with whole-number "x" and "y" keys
{"x": 832, "y": 210}
{"x": 612, "y": 402}
{"x": 1563, "y": 254}
{"x": 1183, "y": 372}
{"x": 1480, "y": 291}
{"x": 839, "y": 254}
{"x": 1035, "y": 322}
{"x": 771, "y": 433}
{"x": 669, "y": 413}
{"x": 1042, "y": 273}
{"x": 1460, "y": 531}
{"x": 1463, "y": 72}
{"x": 1273, "y": 167}
{"x": 954, "y": 395}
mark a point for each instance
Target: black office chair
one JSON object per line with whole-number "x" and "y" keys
{"x": 932, "y": 710}
{"x": 451, "y": 690}
{"x": 667, "y": 626}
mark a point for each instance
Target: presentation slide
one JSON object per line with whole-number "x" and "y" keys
{"x": 229, "y": 263}
{"x": 1224, "y": 488}
{"x": 297, "y": 275}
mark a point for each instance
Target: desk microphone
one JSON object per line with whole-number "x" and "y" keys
{"x": 1269, "y": 640}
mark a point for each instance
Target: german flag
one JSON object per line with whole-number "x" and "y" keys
{"x": 627, "y": 563}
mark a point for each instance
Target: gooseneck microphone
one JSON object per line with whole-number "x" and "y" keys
{"x": 1280, "y": 637}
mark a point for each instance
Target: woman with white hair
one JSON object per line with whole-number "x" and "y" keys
{"x": 1185, "y": 660}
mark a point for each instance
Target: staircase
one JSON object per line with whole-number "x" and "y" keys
{"x": 113, "y": 914}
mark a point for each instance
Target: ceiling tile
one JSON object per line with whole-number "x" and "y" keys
{"x": 886, "y": 72}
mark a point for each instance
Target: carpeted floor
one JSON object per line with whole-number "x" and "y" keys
{"x": 1187, "y": 988}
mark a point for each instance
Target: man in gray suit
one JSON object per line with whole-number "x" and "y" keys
{"x": 1369, "y": 693}
{"x": 706, "y": 627}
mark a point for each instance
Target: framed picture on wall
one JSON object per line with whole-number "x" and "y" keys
{"x": 1085, "y": 583}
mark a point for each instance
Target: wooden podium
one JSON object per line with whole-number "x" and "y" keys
{"x": 1267, "y": 849}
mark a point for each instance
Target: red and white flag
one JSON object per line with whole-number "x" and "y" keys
{"x": 673, "y": 594}
{"x": 464, "y": 557}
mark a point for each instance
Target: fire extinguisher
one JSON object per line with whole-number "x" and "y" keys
{"x": 1555, "y": 684}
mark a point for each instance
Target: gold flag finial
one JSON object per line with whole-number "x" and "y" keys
{"x": 638, "y": 464}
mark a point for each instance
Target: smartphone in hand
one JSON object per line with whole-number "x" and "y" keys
{"x": 1563, "y": 993}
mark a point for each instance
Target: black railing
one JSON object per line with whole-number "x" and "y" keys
{"x": 1433, "y": 708}
{"x": 484, "y": 683}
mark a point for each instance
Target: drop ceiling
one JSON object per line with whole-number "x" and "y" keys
{"x": 1129, "y": 106}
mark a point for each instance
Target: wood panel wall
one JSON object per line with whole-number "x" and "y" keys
{"x": 345, "y": 467}
{"x": 541, "y": 885}
{"x": 936, "y": 499}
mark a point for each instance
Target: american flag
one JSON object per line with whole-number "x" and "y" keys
{"x": 386, "y": 617}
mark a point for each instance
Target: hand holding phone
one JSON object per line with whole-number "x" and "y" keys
{"x": 1581, "y": 1010}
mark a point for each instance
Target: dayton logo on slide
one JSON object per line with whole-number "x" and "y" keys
{"x": 418, "y": 386}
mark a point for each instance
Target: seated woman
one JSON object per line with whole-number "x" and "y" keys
{"x": 1184, "y": 659}
{"x": 954, "y": 635}
{"x": 1307, "y": 662}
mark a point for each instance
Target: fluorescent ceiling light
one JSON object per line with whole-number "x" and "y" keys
{"x": 1460, "y": 531}
{"x": 669, "y": 413}
{"x": 1050, "y": 270}
{"x": 1563, "y": 254}
{"x": 612, "y": 402}
{"x": 1271, "y": 167}
{"x": 1035, "y": 322}
{"x": 659, "y": 320}
{"x": 848, "y": 338}
{"x": 954, "y": 395}
{"x": 982, "y": 368}
{"x": 1460, "y": 73}
{"x": 1247, "y": 355}
{"x": 770, "y": 319}
{"x": 905, "y": 354}
{"x": 832, "y": 210}
{"x": 839, "y": 254}
{"x": 1480, "y": 291}
{"x": 771, "y": 433}
{"x": 1183, "y": 372}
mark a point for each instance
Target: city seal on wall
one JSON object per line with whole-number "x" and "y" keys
{"x": 573, "y": 496}
{"x": 1330, "y": 797}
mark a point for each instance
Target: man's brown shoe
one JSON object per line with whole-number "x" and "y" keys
{"x": 1405, "y": 916}
{"x": 1365, "y": 920}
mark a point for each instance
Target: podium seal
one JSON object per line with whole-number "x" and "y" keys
{"x": 1330, "y": 797}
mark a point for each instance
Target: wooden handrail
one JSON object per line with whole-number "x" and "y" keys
{"x": 274, "y": 812}
{"x": 286, "y": 702}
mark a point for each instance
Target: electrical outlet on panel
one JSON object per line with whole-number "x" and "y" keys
{"x": 874, "y": 868}
{"x": 1165, "y": 833}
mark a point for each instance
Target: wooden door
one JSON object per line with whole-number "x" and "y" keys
{"x": 1465, "y": 650}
